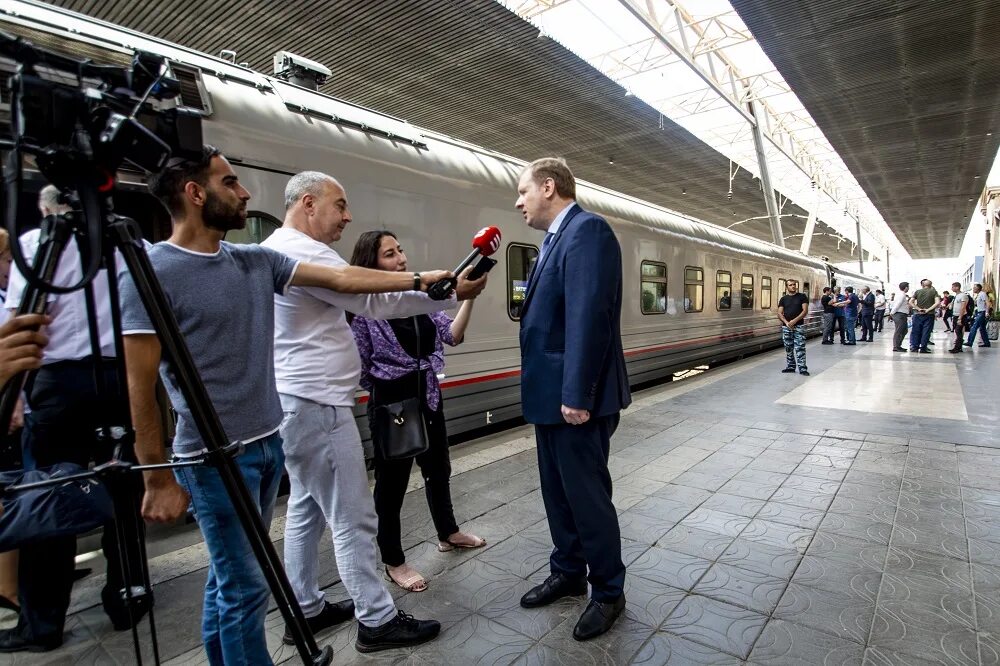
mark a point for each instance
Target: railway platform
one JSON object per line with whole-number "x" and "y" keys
{"x": 849, "y": 517}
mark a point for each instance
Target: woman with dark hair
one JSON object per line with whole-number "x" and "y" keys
{"x": 391, "y": 353}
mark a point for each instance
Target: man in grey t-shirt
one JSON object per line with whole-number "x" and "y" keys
{"x": 223, "y": 298}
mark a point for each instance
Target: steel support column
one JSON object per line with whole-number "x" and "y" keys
{"x": 861, "y": 252}
{"x": 777, "y": 236}
{"x": 807, "y": 235}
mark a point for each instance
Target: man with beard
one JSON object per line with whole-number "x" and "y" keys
{"x": 223, "y": 297}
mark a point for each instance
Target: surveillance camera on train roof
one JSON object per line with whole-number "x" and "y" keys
{"x": 299, "y": 70}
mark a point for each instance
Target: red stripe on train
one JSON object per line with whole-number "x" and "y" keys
{"x": 632, "y": 352}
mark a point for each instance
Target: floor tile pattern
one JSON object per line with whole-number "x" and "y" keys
{"x": 748, "y": 539}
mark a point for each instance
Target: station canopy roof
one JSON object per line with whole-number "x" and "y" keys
{"x": 646, "y": 98}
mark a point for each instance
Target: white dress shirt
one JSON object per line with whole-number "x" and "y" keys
{"x": 315, "y": 356}
{"x": 879, "y": 302}
{"x": 901, "y": 304}
{"x": 69, "y": 336}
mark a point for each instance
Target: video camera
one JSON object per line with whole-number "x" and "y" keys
{"x": 72, "y": 114}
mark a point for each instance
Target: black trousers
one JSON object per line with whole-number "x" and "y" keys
{"x": 576, "y": 490}
{"x": 65, "y": 414}
{"x": 867, "y": 329}
{"x": 838, "y": 325}
{"x": 392, "y": 478}
{"x": 879, "y": 319}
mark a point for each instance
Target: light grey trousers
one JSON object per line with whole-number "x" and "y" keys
{"x": 827, "y": 327}
{"x": 329, "y": 485}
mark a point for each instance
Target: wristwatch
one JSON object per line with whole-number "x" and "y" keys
{"x": 416, "y": 282}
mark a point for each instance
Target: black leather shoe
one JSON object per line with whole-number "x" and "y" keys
{"x": 955, "y": 351}
{"x": 982, "y": 345}
{"x": 401, "y": 631}
{"x": 804, "y": 373}
{"x": 11, "y": 640}
{"x": 331, "y": 615}
{"x": 926, "y": 351}
{"x": 555, "y": 587}
{"x": 598, "y": 618}
{"x": 789, "y": 370}
{"x": 898, "y": 349}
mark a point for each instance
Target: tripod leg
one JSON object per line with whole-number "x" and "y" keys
{"x": 127, "y": 241}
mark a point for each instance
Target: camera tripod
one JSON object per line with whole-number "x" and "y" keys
{"x": 122, "y": 234}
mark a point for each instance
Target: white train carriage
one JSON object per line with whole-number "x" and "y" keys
{"x": 694, "y": 293}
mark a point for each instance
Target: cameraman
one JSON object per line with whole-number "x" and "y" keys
{"x": 66, "y": 412}
{"x": 223, "y": 297}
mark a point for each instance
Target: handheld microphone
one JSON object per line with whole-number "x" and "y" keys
{"x": 485, "y": 242}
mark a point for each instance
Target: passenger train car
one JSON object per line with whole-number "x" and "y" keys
{"x": 694, "y": 293}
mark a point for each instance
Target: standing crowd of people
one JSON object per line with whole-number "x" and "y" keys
{"x": 843, "y": 311}
{"x": 335, "y": 325}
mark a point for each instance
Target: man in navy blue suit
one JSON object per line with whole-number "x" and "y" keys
{"x": 573, "y": 386}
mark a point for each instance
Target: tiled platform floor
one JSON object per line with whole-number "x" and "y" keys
{"x": 754, "y": 532}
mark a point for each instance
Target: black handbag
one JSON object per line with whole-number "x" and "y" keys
{"x": 398, "y": 429}
{"x": 64, "y": 509}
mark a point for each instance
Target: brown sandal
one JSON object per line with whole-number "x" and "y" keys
{"x": 414, "y": 583}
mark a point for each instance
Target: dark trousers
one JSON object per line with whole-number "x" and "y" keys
{"x": 959, "y": 330}
{"x": 65, "y": 414}
{"x": 391, "y": 479}
{"x": 839, "y": 325}
{"x": 900, "y": 326}
{"x": 867, "y": 330}
{"x": 947, "y": 318}
{"x": 879, "y": 319}
{"x": 920, "y": 333}
{"x": 576, "y": 490}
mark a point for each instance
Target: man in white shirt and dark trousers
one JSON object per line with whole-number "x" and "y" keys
{"x": 982, "y": 302}
{"x": 317, "y": 368}
{"x": 960, "y": 312}
{"x": 879, "y": 310}
{"x": 899, "y": 313}
{"x": 65, "y": 414}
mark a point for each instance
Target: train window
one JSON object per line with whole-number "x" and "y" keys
{"x": 653, "y": 288}
{"x": 765, "y": 293}
{"x": 805, "y": 288}
{"x": 259, "y": 226}
{"x": 694, "y": 289}
{"x": 746, "y": 292}
{"x": 723, "y": 290}
{"x": 782, "y": 287}
{"x": 520, "y": 261}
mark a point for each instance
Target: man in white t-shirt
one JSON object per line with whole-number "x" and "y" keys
{"x": 317, "y": 368}
{"x": 880, "y": 304}
{"x": 899, "y": 313}
{"x": 982, "y": 302}
{"x": 960, "y": 312}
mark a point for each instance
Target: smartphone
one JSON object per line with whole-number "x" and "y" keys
{"x": 482, "y": 268}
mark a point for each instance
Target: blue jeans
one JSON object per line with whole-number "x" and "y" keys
{"x": 236, "y": 593}
{"x": 979, "y": 324}
{"x": 850, "y": 323}
{"x": 920, "y": 333}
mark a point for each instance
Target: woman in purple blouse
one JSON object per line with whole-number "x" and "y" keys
{"x": 389, "y": 353}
